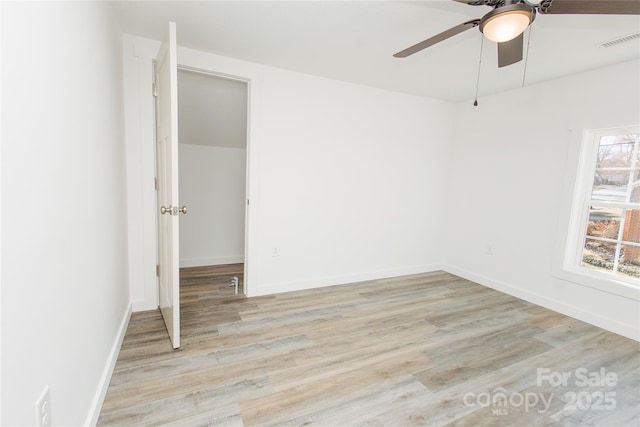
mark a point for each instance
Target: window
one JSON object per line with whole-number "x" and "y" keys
{"x": 608, "y": 208}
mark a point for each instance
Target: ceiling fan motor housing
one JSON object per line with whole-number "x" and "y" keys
{"x": 507, "y": 22}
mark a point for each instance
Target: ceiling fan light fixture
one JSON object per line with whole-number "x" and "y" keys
{"x": 507, "y": 22}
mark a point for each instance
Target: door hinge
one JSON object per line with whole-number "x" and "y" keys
{"x": 158, "y": 270}
{"x": 155, "y": 183}
{"x": 154, "y": 89}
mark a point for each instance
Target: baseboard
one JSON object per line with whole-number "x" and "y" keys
{"x": 142, "y": 305}
{"x": 321, "y": 282}
{"x": 566, "y": 309}
{"x": 105, "y": 378}
{"x": 221, "y": 260}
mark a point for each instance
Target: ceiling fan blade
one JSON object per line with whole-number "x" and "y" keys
{"x": 473, "y": 2}
{"x": 593, "y": 7}
{"x": 437, "y": 38}
{"x": 510, "y": 52}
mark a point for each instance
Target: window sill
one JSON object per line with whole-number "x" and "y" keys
{"x": 600, "y": 281}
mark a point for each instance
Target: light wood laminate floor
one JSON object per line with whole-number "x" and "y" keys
{"x": 429, "y": 349}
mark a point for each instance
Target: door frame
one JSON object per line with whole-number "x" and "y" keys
{"x": 247, "y": 81}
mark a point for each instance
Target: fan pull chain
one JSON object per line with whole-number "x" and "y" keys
{"x": 526, "y": 58}
{"x": 475, "y": 102}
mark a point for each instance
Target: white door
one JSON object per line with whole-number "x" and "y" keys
{"x": 166, "y": 91}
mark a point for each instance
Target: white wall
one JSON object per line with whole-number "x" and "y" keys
{"x": 350, "y": 183}
{"x": 212, "y": 186}
{"x": 64, "y": 282}
{"x": 509, "y": 159}
{"x": 213, "y": 110}
{"x": 345, "y": 180}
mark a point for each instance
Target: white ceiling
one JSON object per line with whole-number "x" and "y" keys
{"x": 354, "y": 41}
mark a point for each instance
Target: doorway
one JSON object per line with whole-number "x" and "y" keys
{"x": 212, "y": 153}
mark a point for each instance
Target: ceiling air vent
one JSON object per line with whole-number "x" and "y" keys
{"x": 621, "y": 40}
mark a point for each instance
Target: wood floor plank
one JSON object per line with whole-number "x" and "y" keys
{"x": 405, "y": 351}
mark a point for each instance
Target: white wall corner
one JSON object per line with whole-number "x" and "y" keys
{"x": 107, "y": 372}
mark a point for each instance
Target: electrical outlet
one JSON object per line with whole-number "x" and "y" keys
{"x": 275, "y": 251}
{"x": 43, "y": 409}
{"x": 488, "y": 249}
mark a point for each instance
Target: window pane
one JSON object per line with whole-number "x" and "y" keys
{"x": 616, "y": 151}
{"x": 604, "y": 222}
{"x": 598, "y": 255}
{"x": 631, "y": 232}
{"x": 610, "y": 186}
{"x": 629, "y": 262}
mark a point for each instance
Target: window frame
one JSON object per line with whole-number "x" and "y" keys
{"x": 572, "y": 232}
{"x": 593, "y": 145}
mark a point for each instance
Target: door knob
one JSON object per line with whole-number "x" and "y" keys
{"x": 165, "y": 210}
{"x": 183, "y": 210}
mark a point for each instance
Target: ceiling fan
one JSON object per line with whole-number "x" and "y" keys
{"x": 507, "y": 21}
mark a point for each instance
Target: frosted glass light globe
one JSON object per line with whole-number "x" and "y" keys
{"x": 506, "y": 26}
